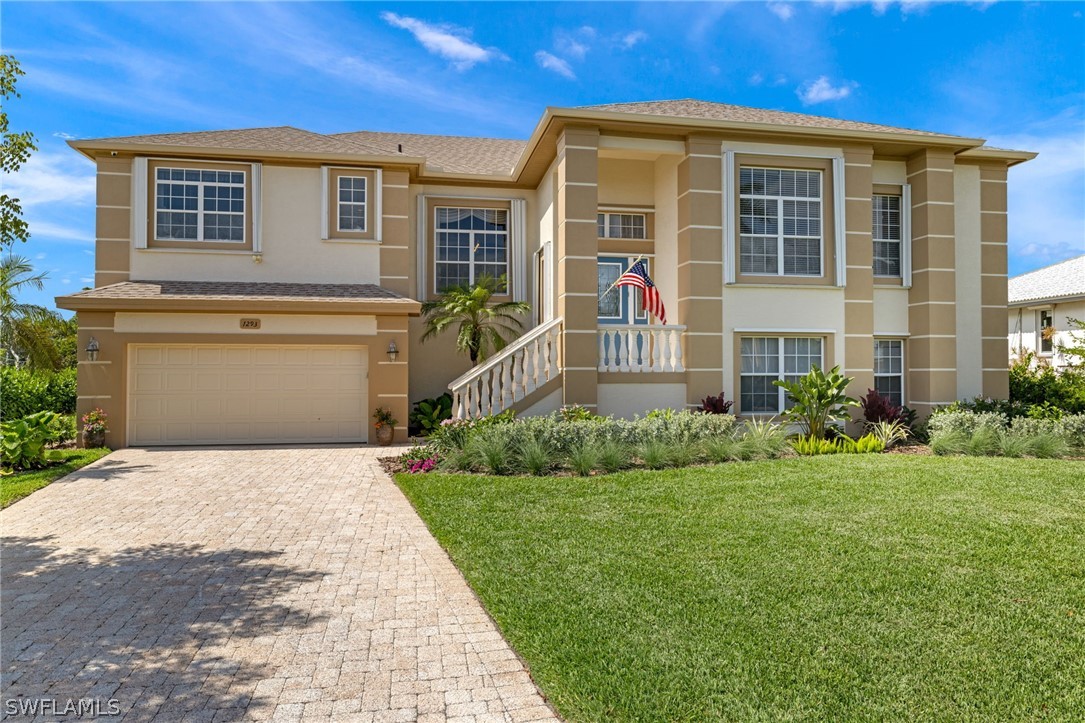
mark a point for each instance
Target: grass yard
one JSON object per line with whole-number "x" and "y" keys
{"x": 17, "y": 486}
{"x": 851, "y": 587}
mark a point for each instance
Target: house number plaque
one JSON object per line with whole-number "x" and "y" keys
{"x": 250, "y": 323}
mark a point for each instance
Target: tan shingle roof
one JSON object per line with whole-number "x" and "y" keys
{"x": 239, "y": 291}
{"x": 279, "y": 138}
{"x": 702, "y": 109}
{"x": 1064, "y": 279}
{"x": 452, "y": 154}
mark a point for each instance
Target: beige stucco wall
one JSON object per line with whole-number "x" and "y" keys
{"x": 890, "y": 172}
{"x": 665, "y": 273}
{"x": 292, "y": 250}
{"x": 626, "y": 182}
{"x": 890, "y": 311}
{"x": 966, "y": 209}
{"x": 626, "y": 400}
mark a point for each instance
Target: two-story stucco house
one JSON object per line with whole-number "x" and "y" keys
{"x": 251, "y": 285}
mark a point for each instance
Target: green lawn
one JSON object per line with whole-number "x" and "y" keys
{"x": 873, "y": 587}
{"x": 17, "y": 486}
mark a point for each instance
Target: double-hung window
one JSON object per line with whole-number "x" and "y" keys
{"x": 622, "y": 225}
{"x": 199, "y": 205}
{"x": 352, "y": 202}
{"x": 887, "y": 225}
{"x": 889, "y": 369}
{"x": 780, "y": 222}
{"x": 470, "y": 243}
{"x": 766, "y": 359}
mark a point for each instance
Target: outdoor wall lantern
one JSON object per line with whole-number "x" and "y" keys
{"x": 393, "y": 351}
{"x": 92, "y": 349}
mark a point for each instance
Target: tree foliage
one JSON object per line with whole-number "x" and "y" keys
{"x": 26, "y": 330}
{"x": 482, "y": 327}
{"x": 15, "y": 149}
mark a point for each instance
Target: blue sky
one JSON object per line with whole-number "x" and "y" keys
{"x": 1013, "y": 73}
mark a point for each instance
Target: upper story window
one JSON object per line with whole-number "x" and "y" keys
{"x": 780, "y": 222}
{"x": 1046, "y": 342}
{"x": 352, "y": 203}
{"x": 765, "y": 359}
{"x": 469, "y": 243}
{"x": 352, "y": 197}
{"x": 623, "y": 225}
{"x": 887, "y": 225}
{"x": 199, "y": 205}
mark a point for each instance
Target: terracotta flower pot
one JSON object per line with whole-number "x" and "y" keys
{"x": 385, "y": 434}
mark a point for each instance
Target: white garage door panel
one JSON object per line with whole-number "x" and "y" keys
{"x": 246, "y": 394}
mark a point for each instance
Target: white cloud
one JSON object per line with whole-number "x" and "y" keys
{"x": 554, "y": 63}
{"x": 64, "y": 136}
{"x": 821, "y": 90}
{"x": 756, "y": 79}
{"x": 40, "y": 229}
{"x": 1046, "y": 218}
{"x": 446, "y": 41}
{"x": 781, "y": 10}
{"x": 50, "y": 178}
{"x": 631, "y": 39}
{"x": 86, "y": 279}
{"x": 39, "y": 257}
{"x": 574, "y": 44}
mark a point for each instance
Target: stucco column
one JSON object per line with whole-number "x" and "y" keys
{"x": 993, "y": 281}
{"x": 932, "y": 321}
{"x": 102, "y": 383}
{"x": 113, "y": 221}
{"x": 859, "y": 289}
{"x": 700, "y": 267}
{"x": 577, "y": 248}
{"x": 395, "y": 255}
{"x": 388, "y": 380}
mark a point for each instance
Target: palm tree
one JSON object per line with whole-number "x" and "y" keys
{"x": 24, "y": 328}
{"x": 483, "y": 328}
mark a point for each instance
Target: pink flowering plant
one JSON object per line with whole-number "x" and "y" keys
{"x": 420, "y": 460}
{"x": 95, "y": 422}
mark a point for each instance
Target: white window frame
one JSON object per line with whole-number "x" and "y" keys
{"x": 781, "y": 403}
{"x": 901, "y": 375}
{"x": 471, "y": 257}
{"x": 606, "y": 216}
{"x": 200, "y": 212}
{"x": 339, "y": 203}
{"x": 899, "y": 242}
{"x": 820, "y": 200}
{"x": 1040, "y": 313}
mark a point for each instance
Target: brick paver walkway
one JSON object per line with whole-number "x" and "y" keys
{"x": 247, "y": 583}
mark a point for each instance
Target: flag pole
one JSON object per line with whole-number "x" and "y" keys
{"x": 620, "y": 276}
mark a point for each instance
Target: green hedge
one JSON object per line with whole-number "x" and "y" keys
{"x": 24, "y": 392}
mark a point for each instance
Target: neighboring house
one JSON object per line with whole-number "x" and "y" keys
{"x": 249, "y": 283}
{"x": 1041, "y": 304}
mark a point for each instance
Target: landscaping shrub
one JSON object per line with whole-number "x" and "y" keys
{"x": 614, "y": 456}
{"x": 22, "y": 441}
{"x": 879, "y": 408}
{"x": 654, "y": 454}
{"x": 429, "y": 413}
{"x": 64, "y": 430}
{"x": 889, "y": 433}
{"x": 716, "y": 405}
{"x": 818, "y": 399}
{"x": 24, "y": 392}
{"x": 536, "y": 457}
{"x": 867, "y": 444}
{"x": 583, "y": 458}
{"x": 1032, "y": 383}
{"x": 991, "y": 433}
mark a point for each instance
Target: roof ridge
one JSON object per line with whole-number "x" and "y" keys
{"x": 772, "y": 110}
{"x": 429, "y": 135}
{"x": 188, "y": 133}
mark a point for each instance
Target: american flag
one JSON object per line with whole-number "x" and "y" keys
{"x": 638, "y": 276}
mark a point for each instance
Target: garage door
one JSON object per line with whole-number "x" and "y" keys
{"x": 246, "y": 394}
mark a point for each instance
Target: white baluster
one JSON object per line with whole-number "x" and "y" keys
{"x": 495, "y": 391}
{"x": 529, "y": 371}
{"x": 602, "y": 335}
{"x": 457, "y": 401}
{"x": 622, "y": 337}
{"x": 659, "y": 341}
{"x": 517, "y": 379}
{"x": 677, "y": 339}
{"x": 552, "y": 338}
{"x": 612, "y": 349}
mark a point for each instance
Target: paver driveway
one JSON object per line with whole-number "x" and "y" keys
{"x": 221, "y": 584}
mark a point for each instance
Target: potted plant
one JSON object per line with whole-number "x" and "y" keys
{"x": 385, "y": 424}
{"x": 95, "y": 425}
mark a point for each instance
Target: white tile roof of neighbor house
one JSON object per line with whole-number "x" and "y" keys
{"x": 1065, "y": 279}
